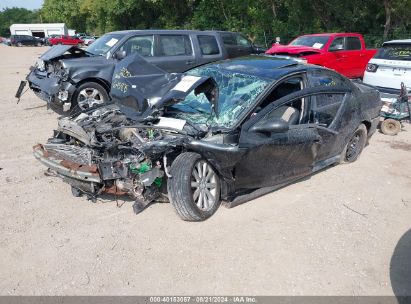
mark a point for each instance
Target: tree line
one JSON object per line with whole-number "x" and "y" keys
{"x": 260, "y": 20}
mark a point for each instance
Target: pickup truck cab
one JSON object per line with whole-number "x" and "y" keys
{"x": 70, "y": 76}
{"x": 343, "y": 52}
{"x": 66, "y": 40}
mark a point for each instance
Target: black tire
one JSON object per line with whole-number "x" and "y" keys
{"x": 355, "y": 145}
{"x": 77, "y": 98}
{"x": 180, "y": 190}
{"x": 390, "y": 127}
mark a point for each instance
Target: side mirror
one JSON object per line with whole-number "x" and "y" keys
{"x": 119, "y": 55}
{"x": 273, "y": 125}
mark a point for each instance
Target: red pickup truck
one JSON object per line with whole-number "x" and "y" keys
{"x": 66, "y": 40}
{"x": 342, "y": 52}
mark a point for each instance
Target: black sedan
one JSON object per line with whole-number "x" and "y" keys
{"x": 227, "y": 131}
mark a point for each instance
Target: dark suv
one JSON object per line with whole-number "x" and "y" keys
{"x": 20, "y": 40}
{"x": 70, "y": 76}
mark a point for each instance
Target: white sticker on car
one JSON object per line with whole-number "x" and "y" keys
{"x": 174, "y": 123}
{"x": 318, "y": 45}
{"x": 186, "y": 83}
{"x": 111, "y": 42}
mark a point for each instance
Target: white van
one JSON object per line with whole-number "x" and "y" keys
{"x": 390, "y": 66}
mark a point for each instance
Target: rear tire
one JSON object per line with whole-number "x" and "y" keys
{"x": 19, "y": 44}
{"x": 194, "y": 188}
{"x": 355, "y": 145}
{"x": 390, "y": 127}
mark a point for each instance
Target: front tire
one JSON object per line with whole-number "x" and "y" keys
{"x": 390, "y": 127}
{"x": 90, "y": 94}
{"x": 194, "y": 188}
{"x": 355, "y": 145}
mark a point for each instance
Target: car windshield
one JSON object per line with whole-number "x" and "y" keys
{"x": 237, "y": 93}
{"x": 317, "y": 42}
{"x": 395, "y": 52}
{"x": 102, "y": 45}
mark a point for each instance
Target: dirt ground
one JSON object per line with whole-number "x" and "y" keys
{"x": 344, "y": 231}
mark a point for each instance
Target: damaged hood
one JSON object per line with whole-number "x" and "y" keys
{"x": 292, "y": 50}
{"x": 59, "y": 50}
{"x": 140, "y": 88}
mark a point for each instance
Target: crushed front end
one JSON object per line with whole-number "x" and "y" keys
{"x": 104, "y": 152}
{"x": 48, "y": 77}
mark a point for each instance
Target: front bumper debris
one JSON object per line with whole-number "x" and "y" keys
{"x": 50, "y": 88}
{"x": 65, "y": 167}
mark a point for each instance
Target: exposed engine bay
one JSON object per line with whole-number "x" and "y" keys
{"x": 129, "y": 159}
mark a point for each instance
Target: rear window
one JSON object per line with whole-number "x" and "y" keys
{"x": 395, "y": 52}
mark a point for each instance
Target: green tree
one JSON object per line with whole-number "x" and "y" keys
{"x": 8, "y": 16}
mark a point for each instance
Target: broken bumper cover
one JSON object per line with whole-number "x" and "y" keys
{"x": 49, "y": 88}
{"x": 86, "y": 173}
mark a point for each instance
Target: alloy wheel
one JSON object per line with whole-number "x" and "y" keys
{"x": 353, "y": 146}
{"x": 204, "y": 186}
{"x": 89, "y": 97}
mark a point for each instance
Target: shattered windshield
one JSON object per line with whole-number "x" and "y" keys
{"x": 103, "y": 44}
{"x": 237, "y": 92}
{"x": 317, "y": 42}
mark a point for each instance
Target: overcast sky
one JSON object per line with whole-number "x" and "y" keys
{"x": 29, "y": 4}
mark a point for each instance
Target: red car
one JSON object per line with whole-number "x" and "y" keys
{"x": 343, "y": 52}
{"x": 67, "y": 40}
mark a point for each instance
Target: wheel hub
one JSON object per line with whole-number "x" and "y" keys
{"x": 203, "y": 184}
{"x": 89, "y": 97}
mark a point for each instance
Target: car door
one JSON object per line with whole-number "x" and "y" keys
{"x": 355, "y": 60}
{"x": 26, "y": 39}
{"x": 339, "y": 57}
{"x": 174, "y": 52}
{"x": 208, "y": 49}
{"x": 289, "y": 152}
{"x": 140, "y": 44}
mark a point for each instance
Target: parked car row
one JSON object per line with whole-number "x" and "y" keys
{"x": 195, "y": 119}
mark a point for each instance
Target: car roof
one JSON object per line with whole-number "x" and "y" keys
{"x": 131, "y": 32}
{"x": 403, "y": 41}
{"x": 269, "y": 67}
{"x": 332, "y": 34}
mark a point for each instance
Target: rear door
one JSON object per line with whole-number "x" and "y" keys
{"x": 355, "y": 61}
{"x": 208, "y": 49}
{"x": 307, "y": 146}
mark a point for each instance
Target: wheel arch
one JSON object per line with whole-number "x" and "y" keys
{"x": 100, "y": 81}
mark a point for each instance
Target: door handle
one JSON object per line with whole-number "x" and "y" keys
{"x": 189, "y": 62}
